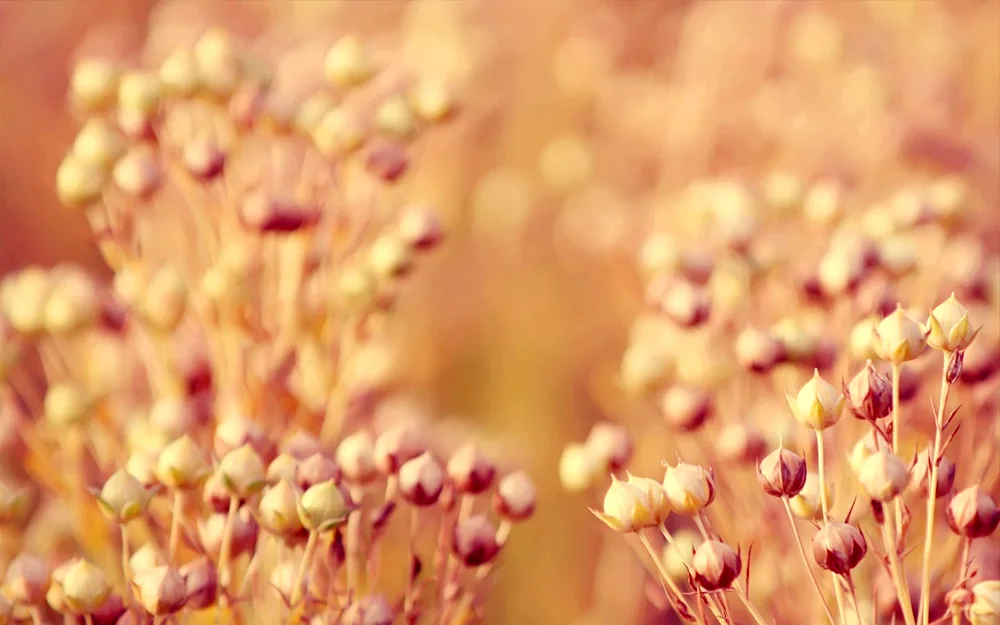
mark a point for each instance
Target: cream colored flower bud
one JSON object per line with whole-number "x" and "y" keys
{"x": 140, "y": 92}
{"x": 471, "y": 472}
{"x": 432, "y": 101}
{"x": 515, "y": 497}
{"x": 284, "y": 467}
{"x": 356, "y": 457}
{"x": 203, "y": 158}
{"x": 759, "y": 350}
{"x": 141, "y": 465}
{"x": 578, "y": 467}
{"x": 677, "y": 555}
{"x": 338, "y": 133}
{"x": 182, "y": 465}
{"x": 123, "y": 497}
{"x": 686, "y": 304}
{"x": 242, "y": 472}
{"x": 145, "y": 557}
{"x": 347, "y": 63}
{"x": 99, "y": 143}
{"x": 862, "y": 450}
{"x": 390, "y": 257}
{"x": 323, "y": 507}
{"x": 396, "y": 446}
{"x": 179, "y": 73}
{"x": 394, "y": 117}
{"x": 219, "y": 65}
{"x": 689, "y": 488}
{"x": 921, "y": 472}
{"x": 949, "y": 326}
{"x": 420, "y": 227}
{"x": 985, "y": 606}
{"x": 645, "y": 367}
{"x": 165, "y": 299}
{"x": 160, "y": 590}
{"x": 898, "y": 338}
{"x": 201, "y": 583}
{"x": 686, "y": 407}
{"x": 79, "y": 181}
{"x": 85, "y": 587}
{"x": 818, "y": 404}
{"x": 315, "y": 469}
{"x": 66, "y": 404}
{"x": 611, "y": 444}
{"x": 807, "y": 504}
{"x": 244, "y": 532}
{"x": 27, "y": 580}
{"x": 716, "y": 565}
{"x": 278, "y": 509}
{"x": 659, "y": 255}
{"x": 626, "y": 508}
{"x": 823, "y": 202}
{"x": 421, "y": 480}
{"x": 883, "y": 476}
{"x": 94, "y": 84}
{"x": 740, "y": 443}
{"x": 72, "y": 303}
{"x": 138, "y": 172}
{"x": 354, "y": 288}
{"x": 657, "y": 498}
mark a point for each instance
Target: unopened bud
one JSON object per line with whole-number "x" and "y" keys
{"x": 242, "y": 472}
{"x": 883, "y": 476}
{"x": 145, "y": 557}
{"x": 323, "y": 507}
{"x": 370, "y": 610}
{"x": 201, "y": 583}
{"x": 420, "y": 227}
{"x": 94, "y": 84}
{"x": 716, "y": 565}
{"x": 85, "y": 587}
{"x": 972, "y": 513}
{"x": 283, "y": 467}
{"x": 759, "y": 350}
{"x": 182, "y": 465}
{"x": 356, "y": 458}
{"x": 782, "y": 473}
{"x": 396, "y": 446}
{"x": 123, "y": 498}
{"x": 347, "y": 63}
{"x": 740, "y": 443}
{"x": 66, "y": 404}
{"x": 685, "y": 304}
{"x": 898, "y": 338}
{"x": 869, "y": 394}
{"x": 839, "y": 547}
{"x": 578, "y": 467}
{"x": 921, "y": 472}
{"x": 808, "y": 503}
{"x": 470, "y": 471}
{"x": 243, "y": 533}
{"x": 160, "y": 590}
{"x": 689, "y": 488}
{"x": 686, "y": 407}
{"x": 818, "y": 404}
{"x": 421, "y": 480}
{"x": 474, "y": 541}
{"x": 27, "y": 580}
{"x": 949, "y": 327}
{"x": 138, "y": 172}
{"x": 985, "y": 606}
{"x": 515, "y": 496}
{"x": 278, "y": 509}
{"x": 627, "y": 508}
{"x": 316, "y": 469}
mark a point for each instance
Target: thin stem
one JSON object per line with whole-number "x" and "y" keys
{"x": 838, "y": 593}
{"x": 300, "y": 576}
{"x": 354, "y": 553}
{"x": 36, "y": 615}
{"x": 225, "y": 572}
{"x": 175, "y": 525}
{"x": 854, "y": 598}
{"x": 126, "y": 556}
{"x": 412, "y": 550}
{"x": 665, "y": 576}
{"x": 88, "y": 619}
{"x": 749, "y": 606}
{"x": 896, "y": 374}
{"x": 925, "y": 578}
{"x": 902, "y": 593}
{"x": 805, "y": 561}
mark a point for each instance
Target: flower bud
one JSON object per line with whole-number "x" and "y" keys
{"x": 347, "y": 63}
{"x": 182, "y": 465}
{"x": 655, "y": 496}
{"x": 201, "y": 583}
{"x": 396, "y": 446}
{"x": 898, "y": 338}
{"x": 283, "y": 467}
{"x": 644, "y": 367}
{"x": 278, "y": 509}
{"x": 577, "y": 467}
{"x": 474, "y": 541}
{"x": 689, "y": 488}
{"x": 316, "y": 469}
{"x": 390, "y": 257}
{"x": 677, "y": 556}
{"x": 470, "y": 471}
{"x": 165, "y": 300}
{"x": 420, "y": 227}
{"x": 242, "y": 472}
{"x": 27, "y": 580}
{"x": 66, "y": 404}
{"x": 739, "y": 443}
{"x": 839, "y": 547}
{"x": 883, "y": 476}
{"x": 807, "y": 504}
{"x": 139, "y": 172}
{"x": 145, "y": 557}
{"x": 921, "y": 472}
{"x": 94, "y": 84}
{"x": 421, "y": 480}
{"x": 338, "y": 133}
{"x": 235, "y": 430}
{"x": 626, "y": 508}
{"x": 985, "y": 606}
{"x": 98, "y": 143}
{"x": 818, "y": 404}
{"x": 515, "y": 497}
{"x": 323, "y": 507}
{"x": 716, "y": 566}
{"x": 782, "y": 473}
{"x": 85, "y": 587}
{"x": 869, "y": 394}
{"x": 356, "y": 458}
{"x": 178, "y": 73}
{"x": 160, "y": 590}
{"x": 370, "y": 610}
{"x": 862, "y": 450}
{"x": 301, "y": 445}
{"x": 142, "y": 466}
{"x": 686, "y": 407}
{"x": 123, "y": 498}
{"x": 685, "y": 304}
{"x": 244, "y": 532}
{"x": 394, "y": 117}
{"x": 972, "y": 513}
{"x": 610, "y": 444}
{"x": 949, "y": 327}
{"x": 759, "y": 350}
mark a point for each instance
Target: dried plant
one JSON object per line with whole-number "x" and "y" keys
{"x": 204, "y": 444}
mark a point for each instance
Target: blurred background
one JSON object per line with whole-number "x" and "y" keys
{"x": 579, "y": 118}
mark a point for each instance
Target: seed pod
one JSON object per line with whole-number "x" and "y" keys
{"x": 235, "y": 430}
{"x": 984, "y": 608}
{"x": 715, "y": 565}
{"x": 782, "y": 473}
{"x": 178, "y": 74}
{"x": 394, "y": 118}
{"x": 316, "y": 469}
{"x": 869, "y": 394}
{"x": 898, "y": 338}
{"x": 689, "y": 488}
{"x": 627, "y": 508}
{"x": 242, "y": 473}
{"x": 66, "y": 404}
{"x": 972, "y": 513}
{"x": 818, "y": 404}
{"x": 203, "y": 158}
{"x": 421, "y": 480}
{"x": 474, "y": 541}
{"x": 323, "y": 507}
{"x": 347, "y": 63}
{"x": 370, "y": 610}
{"x": 807, "y": 504}
{"x": 396, "y": 446}
{"x": 139, "y": 172}
{"x": 655, "y": 497}
{"x": 123, "y": 498}
{"x": 160, "y": 590}
{"x": 338, "y": 133}
{"x": 920, "y": 476}
{"x": 27, "y": 580}
{"x": 390, "y": 257}
{"x": 677, "y": 555}
{"x": 165, "y": 299}
{"x": 515, "y": 497}
{"x": 201, "y": 583}
{"x": 99, "y": 143}
{"x": 610, "y": 444}
{"x": 182, "y": 465}
{"x": 145, "y": 557}
{"x": 220, "y": 67}
{"x": 883, "y": 476}
{"x": 85, "y": 587}
{"x": 470, "y": 471}
{"x": 686, "y": 407}
{"x": 278, "y": 509}
{"x": 839, "y": 547}
{"x": 283, "y": 467}
{"x": 356, "y": 458}
{"x": 577, "y": 468}
{"x": 432, "y": 101}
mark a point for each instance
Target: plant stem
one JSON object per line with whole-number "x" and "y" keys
{"x": 225, "y": 574}
{"x": 664, "y": 575}
{"x": 896, "y": 374}
{"x": 412, "y": 550}
{"x": 126, "y": 555}
{"x": 749, "y": 606}
{"x": 805, "y": 561}
{"x": 300, "y": 576}
{"x": 925, "y": 578}
{"x": 826, "y": 516}
{"x": 175, "y": 526}
{"x": 902, "y": 593}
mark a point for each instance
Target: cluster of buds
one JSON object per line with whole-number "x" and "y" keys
{"x": 641, "y": 502}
